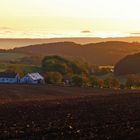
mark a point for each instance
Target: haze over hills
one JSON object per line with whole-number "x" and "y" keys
{"x": 103, "y": 53}
{"x": 12, "y": 43}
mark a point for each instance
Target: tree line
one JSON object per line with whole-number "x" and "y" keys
{"x": 59, "y": 70}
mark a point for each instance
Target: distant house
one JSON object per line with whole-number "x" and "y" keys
{"x": 32, "y": 78}
{"x": 9, "y": 77}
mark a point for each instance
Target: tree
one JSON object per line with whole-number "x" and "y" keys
{"x": 94, "y": 81}
{"x": 133, "y": 81}
{"x": 115, "y": 83}
{"x": 61, "y": 65}
{"x": 85, "y": 80}
{"x": 53, "y": 77}
{"x": 108, "y": 83}
{"x": 77, "y": 80}
{"x": 100, "y": 83}
{"x": 75, "y": 68}
{"x": 111, "y": 83}
{"x": 55, "y": 64}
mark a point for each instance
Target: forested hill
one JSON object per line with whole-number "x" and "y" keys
{"x": 103, "y": 53}
{"x": 128, "y": 65}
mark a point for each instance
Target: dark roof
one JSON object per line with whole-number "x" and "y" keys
{"x": 8, "y": 74}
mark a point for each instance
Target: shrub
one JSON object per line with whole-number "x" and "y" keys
{"x": 53, "y": 77}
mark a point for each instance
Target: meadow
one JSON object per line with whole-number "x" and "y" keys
{"x": 11, "y": 56}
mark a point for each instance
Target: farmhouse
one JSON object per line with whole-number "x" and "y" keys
{"x": 32, "y": 78}
{"x": 9, "y": 77}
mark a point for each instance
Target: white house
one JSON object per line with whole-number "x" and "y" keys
{"x": 32, "y": 78}
{"x": 9, "y": 77}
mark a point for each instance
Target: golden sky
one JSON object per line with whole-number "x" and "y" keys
{"x": 58, "y": 17}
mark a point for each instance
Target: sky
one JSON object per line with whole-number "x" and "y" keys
{"x": 69, "y": 18}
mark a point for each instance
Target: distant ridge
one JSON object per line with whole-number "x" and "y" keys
{"x": 12, "y": 43}
{"x": 102, "y": 53}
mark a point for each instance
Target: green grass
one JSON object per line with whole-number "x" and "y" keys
{"x": 121, "y": 79}
{"x": 11, "y": 56}
{"x": 18, "y": 67}
{"x": 109, "y": 75}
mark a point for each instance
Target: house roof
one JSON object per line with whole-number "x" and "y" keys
{"x": 35, "y": 76}
{"x": 8, "y": 74}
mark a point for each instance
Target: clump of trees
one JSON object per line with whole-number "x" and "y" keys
{"x": 56, "y": 69}
{"x": 93, "y": 81}
{"x": 111, "y": 83}
{"x": 80, "y": 80}
{"x": 96, "y": 82}
{"x": 61, "y": 65}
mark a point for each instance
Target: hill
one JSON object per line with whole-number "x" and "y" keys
{"x": 6, "y": 43}
{"x": 103, "y": 53}
{"x": 128, "y": 65}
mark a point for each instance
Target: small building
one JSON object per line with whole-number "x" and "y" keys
{"x": 67, "y": 80}
{"x": 9, "y": 77}
{"x": 32, "y": 78}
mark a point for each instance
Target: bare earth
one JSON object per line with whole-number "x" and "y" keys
{"x": 68, "y": 113}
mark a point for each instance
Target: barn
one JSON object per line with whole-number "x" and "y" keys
{"x": 32, "y": 78}
{"x": 9, "y": 77}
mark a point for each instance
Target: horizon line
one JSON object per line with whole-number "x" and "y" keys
{"x": 67, "y": 37}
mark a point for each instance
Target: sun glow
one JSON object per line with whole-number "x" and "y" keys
{"x": 74, "y": 8}
{"x": 70, "y": 16}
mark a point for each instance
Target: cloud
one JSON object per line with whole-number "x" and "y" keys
{"x": 6, "y": 32}
{"x": 86, "y": 31}
{"x": 5, "y": 28}
{"x": 135, "y": 33}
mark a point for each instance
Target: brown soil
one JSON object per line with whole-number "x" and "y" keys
{"x": 68, "y": 113}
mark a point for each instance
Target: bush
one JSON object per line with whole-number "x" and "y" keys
{"x": 96, "y": 82}
{"x": 111, "y": 83}
{"x": 77, "y": 80}
{"x": 53, "y": 77}
{"x": 133, "y": 81}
